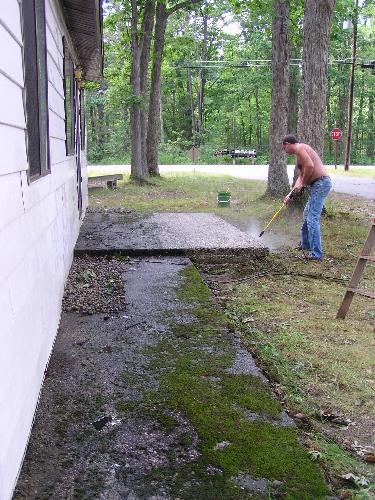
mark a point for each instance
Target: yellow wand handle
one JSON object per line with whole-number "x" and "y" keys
{"x": 273, "y": 218}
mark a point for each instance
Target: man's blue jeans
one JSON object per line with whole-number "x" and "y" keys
{"x": 310, "y": 230}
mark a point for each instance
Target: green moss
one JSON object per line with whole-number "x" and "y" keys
{"x": 169, "y": 422}
{"x": 124, "y": 408}
{"x": 100, "y": 401}
{"x": 251, "y": 393}
{"x": 194, "y": 380}
{"x": 131, "y": 378}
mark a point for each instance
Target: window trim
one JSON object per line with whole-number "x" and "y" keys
{"x": 34, "y": 52}
{"x": 68, "y": 60}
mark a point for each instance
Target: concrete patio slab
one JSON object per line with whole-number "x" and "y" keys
{"x": 161, "y": 233}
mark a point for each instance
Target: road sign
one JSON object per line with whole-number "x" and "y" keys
{"x": 336, "y": 134}
{"x": 194, "y": 153}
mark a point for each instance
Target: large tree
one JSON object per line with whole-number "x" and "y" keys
{"x": 142, "y": 18}
{"x": 162, "y": 15}
{"x": 278, "y": 183}
{"x": 311, "y": 117}
{"x": 316, "y": 35}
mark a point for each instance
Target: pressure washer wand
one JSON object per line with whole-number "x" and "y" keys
{"x": 291, "y": 195}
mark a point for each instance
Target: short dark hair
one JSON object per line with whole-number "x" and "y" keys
{"x": 290, "y": 139}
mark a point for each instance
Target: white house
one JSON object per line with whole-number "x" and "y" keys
{"x": 47, "y": 49}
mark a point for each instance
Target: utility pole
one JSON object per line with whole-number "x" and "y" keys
{"x": 351, "y": 89}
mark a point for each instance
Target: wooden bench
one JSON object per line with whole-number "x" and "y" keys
{"x": 100, "y": 180}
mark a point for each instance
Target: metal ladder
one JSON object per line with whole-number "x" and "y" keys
{"x": 363, "y": 258}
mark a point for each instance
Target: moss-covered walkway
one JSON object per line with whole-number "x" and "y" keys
{"x": 159, "y": 401}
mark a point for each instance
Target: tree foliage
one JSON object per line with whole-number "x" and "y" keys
{"x": 235, "y": 103}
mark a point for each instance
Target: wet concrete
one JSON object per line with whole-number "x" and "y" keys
{"x": 81, "y": 447}
{"x": 161, "y": 233}
{"x": 272, "y": 238}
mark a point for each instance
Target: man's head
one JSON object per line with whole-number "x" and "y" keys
{"x": 289, "y": 143}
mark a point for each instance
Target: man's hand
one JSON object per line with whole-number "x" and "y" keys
{"x": 287, "y": 199}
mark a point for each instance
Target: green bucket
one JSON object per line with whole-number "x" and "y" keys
{"x": 223, "y": 199}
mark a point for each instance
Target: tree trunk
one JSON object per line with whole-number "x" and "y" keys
{"x": 343, "y": 104}
{"x": 348, "y": 142}
{"x": 278, "y": 183}
{"x": 101, "y": 117}
{"x": 250, "y": 124}
{"x": 154, "y": 108}
{"x": 330, "y": 119}
{"x": 370, "y": 126}
{"x": 316, "y": 33}
{"x": 93, "y": 126}
{"x": 358, "y": 143}
{"x": 202, "y": 78}
{"x": 191, "y": 103}
{"x": 147, "y": 29}
{"x": 161, "y": 121}
{"x": 234, "y": 130}
{"x": 293, "y": 100}
{"x": 136, "y": 170}
{"x": 242, "y": 131}
{"x": 258, "y": 125}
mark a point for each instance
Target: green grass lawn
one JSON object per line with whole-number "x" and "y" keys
{"x": 353, "y": 171}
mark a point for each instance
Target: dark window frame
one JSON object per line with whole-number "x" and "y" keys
{"x": 70, "y": 107}
{"x": 34, "y": 50}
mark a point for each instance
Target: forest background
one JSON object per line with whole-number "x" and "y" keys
{"x": 216, "y": 82}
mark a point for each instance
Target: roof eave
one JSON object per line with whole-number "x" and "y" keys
{"x": 84, "y": 19}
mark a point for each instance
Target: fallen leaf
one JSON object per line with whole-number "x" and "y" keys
{"x": 335, "y": 418}
{"x": 315, "y": 455}
{"x": 370, "y": 458}
{"x": 248, "y": 319}
{"x": 300, "y": 416}
{"x": 359, "y": 481}
{"x": 222, "y": 445}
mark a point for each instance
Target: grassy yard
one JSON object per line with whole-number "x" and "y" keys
{"x": 322, "y": 368}
{"x": 353, "y": 171}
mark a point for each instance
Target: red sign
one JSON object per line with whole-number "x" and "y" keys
{"x": 336, "y": 134}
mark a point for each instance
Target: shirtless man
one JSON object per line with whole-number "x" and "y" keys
{"x": 312, "y": 174}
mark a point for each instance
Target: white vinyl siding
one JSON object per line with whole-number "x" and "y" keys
{"x": 39, "y": 225}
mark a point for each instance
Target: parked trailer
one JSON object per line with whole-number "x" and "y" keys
{"x": 236, "y": 153}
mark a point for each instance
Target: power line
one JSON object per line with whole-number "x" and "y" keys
{"x": 249, "y": 63}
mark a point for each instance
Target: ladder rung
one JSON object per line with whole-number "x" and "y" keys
{"x": 368, "y": 257}
{"x": 362, "y": 291}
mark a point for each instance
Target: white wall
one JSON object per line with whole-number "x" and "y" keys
{"x": 39, "y": 224}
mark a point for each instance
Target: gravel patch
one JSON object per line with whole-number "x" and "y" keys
{"x": 95, "y": 285}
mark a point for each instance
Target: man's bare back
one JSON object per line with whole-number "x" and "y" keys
{"x": 309, "y": 163}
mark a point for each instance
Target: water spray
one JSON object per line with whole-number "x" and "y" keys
{"x": 291, "y": 196}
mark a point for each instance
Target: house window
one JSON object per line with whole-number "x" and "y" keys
{"x": 36, "y": 86}
{"x": 69, "y": 91}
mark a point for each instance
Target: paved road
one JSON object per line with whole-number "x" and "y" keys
{"x": 359, "y": 186}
